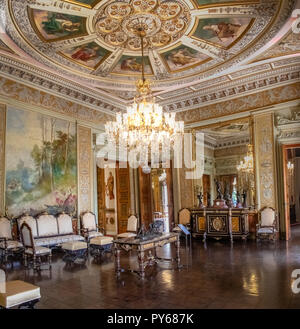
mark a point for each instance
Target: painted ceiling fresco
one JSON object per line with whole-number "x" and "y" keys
{"x": 95, "y": 41}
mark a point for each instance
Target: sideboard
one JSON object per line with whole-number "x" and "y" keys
{"x": 220, "y": 223}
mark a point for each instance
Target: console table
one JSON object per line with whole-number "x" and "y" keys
{"x": 128, "y": 244}
{"x": 220, "y": 223}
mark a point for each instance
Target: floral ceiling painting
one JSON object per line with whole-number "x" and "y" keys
{"x": 41, "y": 165}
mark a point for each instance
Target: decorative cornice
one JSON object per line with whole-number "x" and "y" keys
{"x": 233, "y": 89}
{"x": 53, "y": 84}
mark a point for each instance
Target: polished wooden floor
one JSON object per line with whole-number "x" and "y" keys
{"x": 215, "y": 275}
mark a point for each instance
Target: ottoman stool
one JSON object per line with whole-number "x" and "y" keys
{"x": 100, "y": 245}
{"x": 75, "y": 251}
{"x": 19, "y": 293}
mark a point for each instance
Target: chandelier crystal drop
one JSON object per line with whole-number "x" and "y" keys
{"x": 144, "y": 124}
{"x": 247, "y": 164}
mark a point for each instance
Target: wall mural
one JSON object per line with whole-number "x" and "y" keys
{"x": 111, "y": 224}
{"x": 132, "y": 65}
{"x": 89, "y": 54}
{"x": 41, "y": 165}
{"x": 221, "y": 31}
{"x": 53, "y": 26}
{"x": 182, "y": 57}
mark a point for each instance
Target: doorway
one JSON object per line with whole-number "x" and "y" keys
{"x": 292, "y": 188}
{"x": 156, "y": 197}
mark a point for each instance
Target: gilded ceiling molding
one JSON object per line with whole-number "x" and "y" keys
{"x": 242, "y": 104}
{"x": 265, "y": 160}
{"x": 2, "y": 157}
{"x": 22, "y": 93}
{"x": 232, "y": 89}
{"x": 269, "y": 17}
{"x": 85, "y": 172}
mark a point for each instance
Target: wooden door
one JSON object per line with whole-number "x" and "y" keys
{"x": 123, "y": 198}
{"x": 206, "y": 188}
{"x": 170, "y": 197}
{"x": 145, "y": 198}
{"x": 101, "y": 197}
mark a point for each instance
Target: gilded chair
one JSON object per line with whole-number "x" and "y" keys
{"x": 184, "y": 218}
{"x": 34, "y": 254}
{"x": 8, "y": 246}
{"x": 132, "y": 226}
{"x": 89, "y": 226}
{"x": 267, "y": 227}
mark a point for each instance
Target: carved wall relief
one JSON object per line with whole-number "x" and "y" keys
{"x": 264, "y": 156}
{"x": 84, "y": 159}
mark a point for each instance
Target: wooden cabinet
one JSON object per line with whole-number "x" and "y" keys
{"x": 220, "y": 223}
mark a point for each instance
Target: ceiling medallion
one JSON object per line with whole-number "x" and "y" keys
{"x": 163, "y": 22}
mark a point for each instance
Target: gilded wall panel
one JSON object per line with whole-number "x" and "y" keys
{"x": 242, "y": 104}
{"x": 264, "y": 158}
{"x": 2, "y": 156}
{"x": 85, "y": 173}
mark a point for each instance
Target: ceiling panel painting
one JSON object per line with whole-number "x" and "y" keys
{"x": 89, "y": 54}
{"x": 221, "y": 31}
{"x": 132, "y": 65}
{"x": 97, "y": 43}
{"x": 53, "y": 26}
{"x": 183, "y": 57}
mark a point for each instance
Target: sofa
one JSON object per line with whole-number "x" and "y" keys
{"x": 50, "y": 231}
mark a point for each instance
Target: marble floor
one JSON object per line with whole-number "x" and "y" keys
{"x": 215, "y": 275}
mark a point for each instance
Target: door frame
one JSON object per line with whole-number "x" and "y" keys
{"x": 284, "y": 148}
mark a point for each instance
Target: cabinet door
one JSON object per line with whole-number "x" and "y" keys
{"x": 123, "y": 198}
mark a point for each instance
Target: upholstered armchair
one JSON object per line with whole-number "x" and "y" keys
{"x": 34, "y": 254}
{"x": 184, "y": 218}
{"x": 267, "y": 227}
{"x": 8, "y": 246}
{"x": 132, "y": 226}
{"x": 89, "y": 226}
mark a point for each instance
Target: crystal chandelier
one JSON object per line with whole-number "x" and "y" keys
{"x": 247, "y": 164}
{"x": 144, "y": 124}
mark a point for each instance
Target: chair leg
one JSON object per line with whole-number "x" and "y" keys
{"x": 34, "y": 262}
{"x": 50, "y": 260}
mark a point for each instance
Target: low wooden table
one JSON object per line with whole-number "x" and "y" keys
{"x": 128, "y": 244}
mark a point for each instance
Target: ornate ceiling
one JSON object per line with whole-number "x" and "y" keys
{"x": 192, "y": 46}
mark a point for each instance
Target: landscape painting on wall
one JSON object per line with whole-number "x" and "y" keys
{"x": 221, "y": 31}
{"x": 41, "y": 165}
{"x": 183, "y": 57}
{"x": 53, "y": 26}
{"x": 89, "y": 54}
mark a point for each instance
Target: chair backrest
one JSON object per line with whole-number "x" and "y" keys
{"x": 184, "y": 216}
{"x": 88, "y": 221}
{"x": 47, "y": 225}
{"x": 64, "y": 222}
{"x": 132, "y": 224}
{"x": 5, "y": 228}
{"x": 267, "y": 216}
{"x": 27, "y": 236}
{"x": 31, "y": 222}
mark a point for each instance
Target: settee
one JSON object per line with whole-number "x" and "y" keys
{"x": 50, "y": 231}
